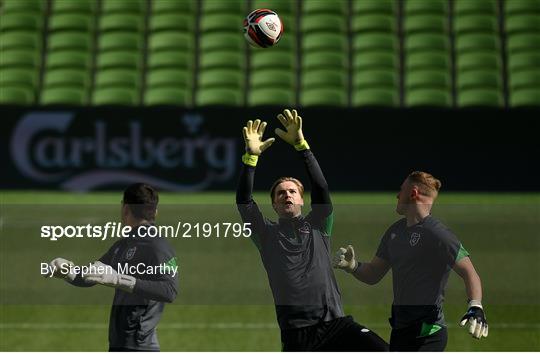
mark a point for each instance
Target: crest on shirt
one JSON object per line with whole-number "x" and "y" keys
{"x": 415, "y": 237}
{"x": 305, "y": 229}
{"x": 131, "y": 252}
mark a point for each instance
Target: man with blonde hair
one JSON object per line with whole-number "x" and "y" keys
{"x": 421, "y": 251}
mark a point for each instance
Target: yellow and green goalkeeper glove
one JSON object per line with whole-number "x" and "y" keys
{"x": 253, "y": 133}
{"x": 293, "y": 124}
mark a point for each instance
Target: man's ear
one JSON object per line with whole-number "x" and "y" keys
{"x": 415, "y": 193}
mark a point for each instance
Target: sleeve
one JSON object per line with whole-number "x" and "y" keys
{"x": 162, "y": 286}
{"x": 449, "y": 247}
{"x": 382, "y": 250}
{"x": 249, "y": 211}
{"x": 321, "y": 204}
{"x": 105, "y": 259}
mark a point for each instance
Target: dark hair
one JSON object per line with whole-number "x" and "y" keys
{"x": 142, "y": 199}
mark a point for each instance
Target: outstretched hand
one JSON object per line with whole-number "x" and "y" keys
{"x": 292, "y": 122}
{"x": 253, "y": 133}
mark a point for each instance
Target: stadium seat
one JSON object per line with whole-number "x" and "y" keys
{"x": 123, "y": 7}
{"x": 426, "y": 42}
{"x": 285, "y": 7}
{"x": 20, "y": 58}
{"x": 223, "y": 7}
{"x": 287, "y": 42}
{"x": 27, "y": 6}
{"x": 525, "y": 80}
{"x": 63, "y": 96}
{"x": 425, "y": 23}
{"x": 219, "y": 96}
{"x": 525, "y": 98}
{"x": 377, "y": 97}
{"x": 74, "y": 7}
{"x": 523, "y": 43}
{"x": 225, "y": 59}
{"x": 324, "y": 42}
{"x": 217, "y": 22}
{"x": 387, "y": 7}
{"x": 117, "y": 78}
{"x": 428, "y": 79}
{"x": 476, "y": 23}
{"x": 523, "y": 24}
{"x": 273, "y": 79}
{"x": 480, "y": 98}
{"x": 323, "y": 78}
{"x": 171, "y": 22}
{"x": 167, "y": 96}
{"x": 171, "y": 59}
{"x": 428, "y": 97}
{"x": 323, "y": 23}
{"x": 68, "y": 60}
{"x": 186, "y": 7}
{"x": 513, "y": 7}
{"x": 323, "y": 60}
{"x": 20, "y": 40}
{"x": 524, "y": 61}
{"x": 66, "y": 77}
{"x": 427, "y": 60}
{"x": 125, "y": 96}
{"x": 338, "y": 7}
{"x": 412, "y": 7}
{"x": 468, "y": 7}
{"x": 71, "y": 22}
{"x": 271, "y": 59}
{"x": 120, "y": 41}
{"x": 221, "y": 41}
{"x": 119, "y": 59}
{"x": 221, "y": 78}
{"x": 369, "y": 60}
{"x": 171, "y": 40}
{"x": 16, "y": 95}
{"x": 478, "y": 60}
{"x": 21, "y": 22}
{"x": 323, "y": 97}
{"x": 172, "y": 78}
{"x": 373, "y": 23}
{"x": 375, "y": 42}
{"x": 477, "y": 42}
{"x": 270, "y": 97}
{"x": 121, "y": 22}
{"x": 69, "y": 41}
{"x": 478, "y": 79}
{"x": 18, "y": 77}
{"x": 375, "y": 78}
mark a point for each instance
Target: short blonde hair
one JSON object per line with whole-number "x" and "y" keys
{"x": 286, "y": 179}
{"x": 426, "y": 183}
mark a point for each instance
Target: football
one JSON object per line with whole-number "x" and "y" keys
{"x": 263, "y": 28}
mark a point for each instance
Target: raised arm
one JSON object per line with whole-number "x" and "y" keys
{"x": 367, "y": 272}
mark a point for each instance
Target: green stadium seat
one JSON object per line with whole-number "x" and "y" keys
{"x": 124, "y": 7}
{"x": 477, "y": 42}
{"x": 372, "y": 60}
{"x": 117, "y": 96}
{"x": 323, "y": 23}
{"x": 18, "y": 77}
{"x": 270, "y": 59}
{"x": 287, "y": 42}
{"x": 120, "y": 41}
{"x": 63, "y": 96}
{"x": 375, "y": 42}
{"x": 477, "y": 7}
{"x": 16, "y": 95}
{"x": 523, "y": 24}
{"x": 273, "y": 78}
{"x": 21, "y": 22}
{"x": 338, "y": 7}
{"x": 221, "y": 78}
{"x": 427, "y": 60}
{"x": 525, "y": 80}
{"x": 184, "y": 7}
{"x": 323, "y": 79}
{"x": 171, "y": 59}
{"x": 171, "y": 22}
{"x": 121, "y": 22}
{"x": 223, "y": 7}
{"x": 69, "y": 59}
{"x": 323, "y": 60}
{"x": 375, "y": 97}
{"x": 166, "y": 41}
{"x": 221, "y": 41}
{"x": 20, "y": 40}
{"x": 478, "y": 60}
{"x": 481, "y": 79}
{"x": 69, "y": 41}
{"x": 439, "y": 7}
{"x": 220, "y": 23}
{"x": 225, "y": 59}
{"x": 28, "y": 6}
{"x": 323, "y": 97}
{"x": 428, "y": 97}
{"x": 525, "y": 98}
{"x": 524, "y": 61}
{"x": 270, "y": 97}
{"x": 523, "y": 43}
{"x": 375, "y": 78}
{"x": 119, "y": 60}
{"x": 425, "y": 23}
{"x": 373, "y": 23}
{"x": 387, "y": 7}
{"x": 285, "y": 7}
{"x": 480, "y": 98}
{"x": 425, "y": 79}
{"x": 173, "y": 78}
{"x": 71, "y": 22}
{"x": 66, "y": 77}
{"x": 117, "y": 78}
{"x": 219, "y": 97}
{"x": 426, "y": 42}
{"x": 512, "y": 7}
{"x": 78, "y": 6}
{"x": 167, "y": 96}
{"x": 20, "y": 58}
{"x": 476, "y": 23}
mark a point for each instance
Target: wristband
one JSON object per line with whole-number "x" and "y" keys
{"x": 250, "y": 160}
{"x": 358, "y": 264}
{"x": 475, "y": 303}
{"x": 303, "y": 145}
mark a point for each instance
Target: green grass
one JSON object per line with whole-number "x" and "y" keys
{"x": 225, "y": 303}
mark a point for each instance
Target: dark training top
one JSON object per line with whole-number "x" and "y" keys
{"x": 421, "y": 257}
{"x": 296, "y": 252}
{"x": 134, "y": 316}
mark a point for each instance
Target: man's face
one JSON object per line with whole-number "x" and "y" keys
{"x": 404, "y": 197}
{"x": 287, "y": 200}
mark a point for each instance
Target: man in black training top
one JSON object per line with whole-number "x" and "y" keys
{"x": 421, "y": 252}
{"x": 295, "y": 250}
{"x": 139, "y": 299}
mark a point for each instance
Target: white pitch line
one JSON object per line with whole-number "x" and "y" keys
{"x": 215, "y": 325}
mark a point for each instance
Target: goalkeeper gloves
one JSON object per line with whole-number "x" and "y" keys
{"x": 61, "y": 268}
{"x": 475, "y": 317}
{"x": 253, "y": 133}
{"x": 293, "y": 124}
{"x": 344, "y": 259}
{"x": 100, "y": 273}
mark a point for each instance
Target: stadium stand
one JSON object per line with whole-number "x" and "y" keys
{"x": 389, "y": 53}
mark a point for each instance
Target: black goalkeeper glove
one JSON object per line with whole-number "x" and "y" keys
{"x": 478, "y": 326}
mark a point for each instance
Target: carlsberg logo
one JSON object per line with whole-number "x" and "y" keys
{"x": 44, "y": 152}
